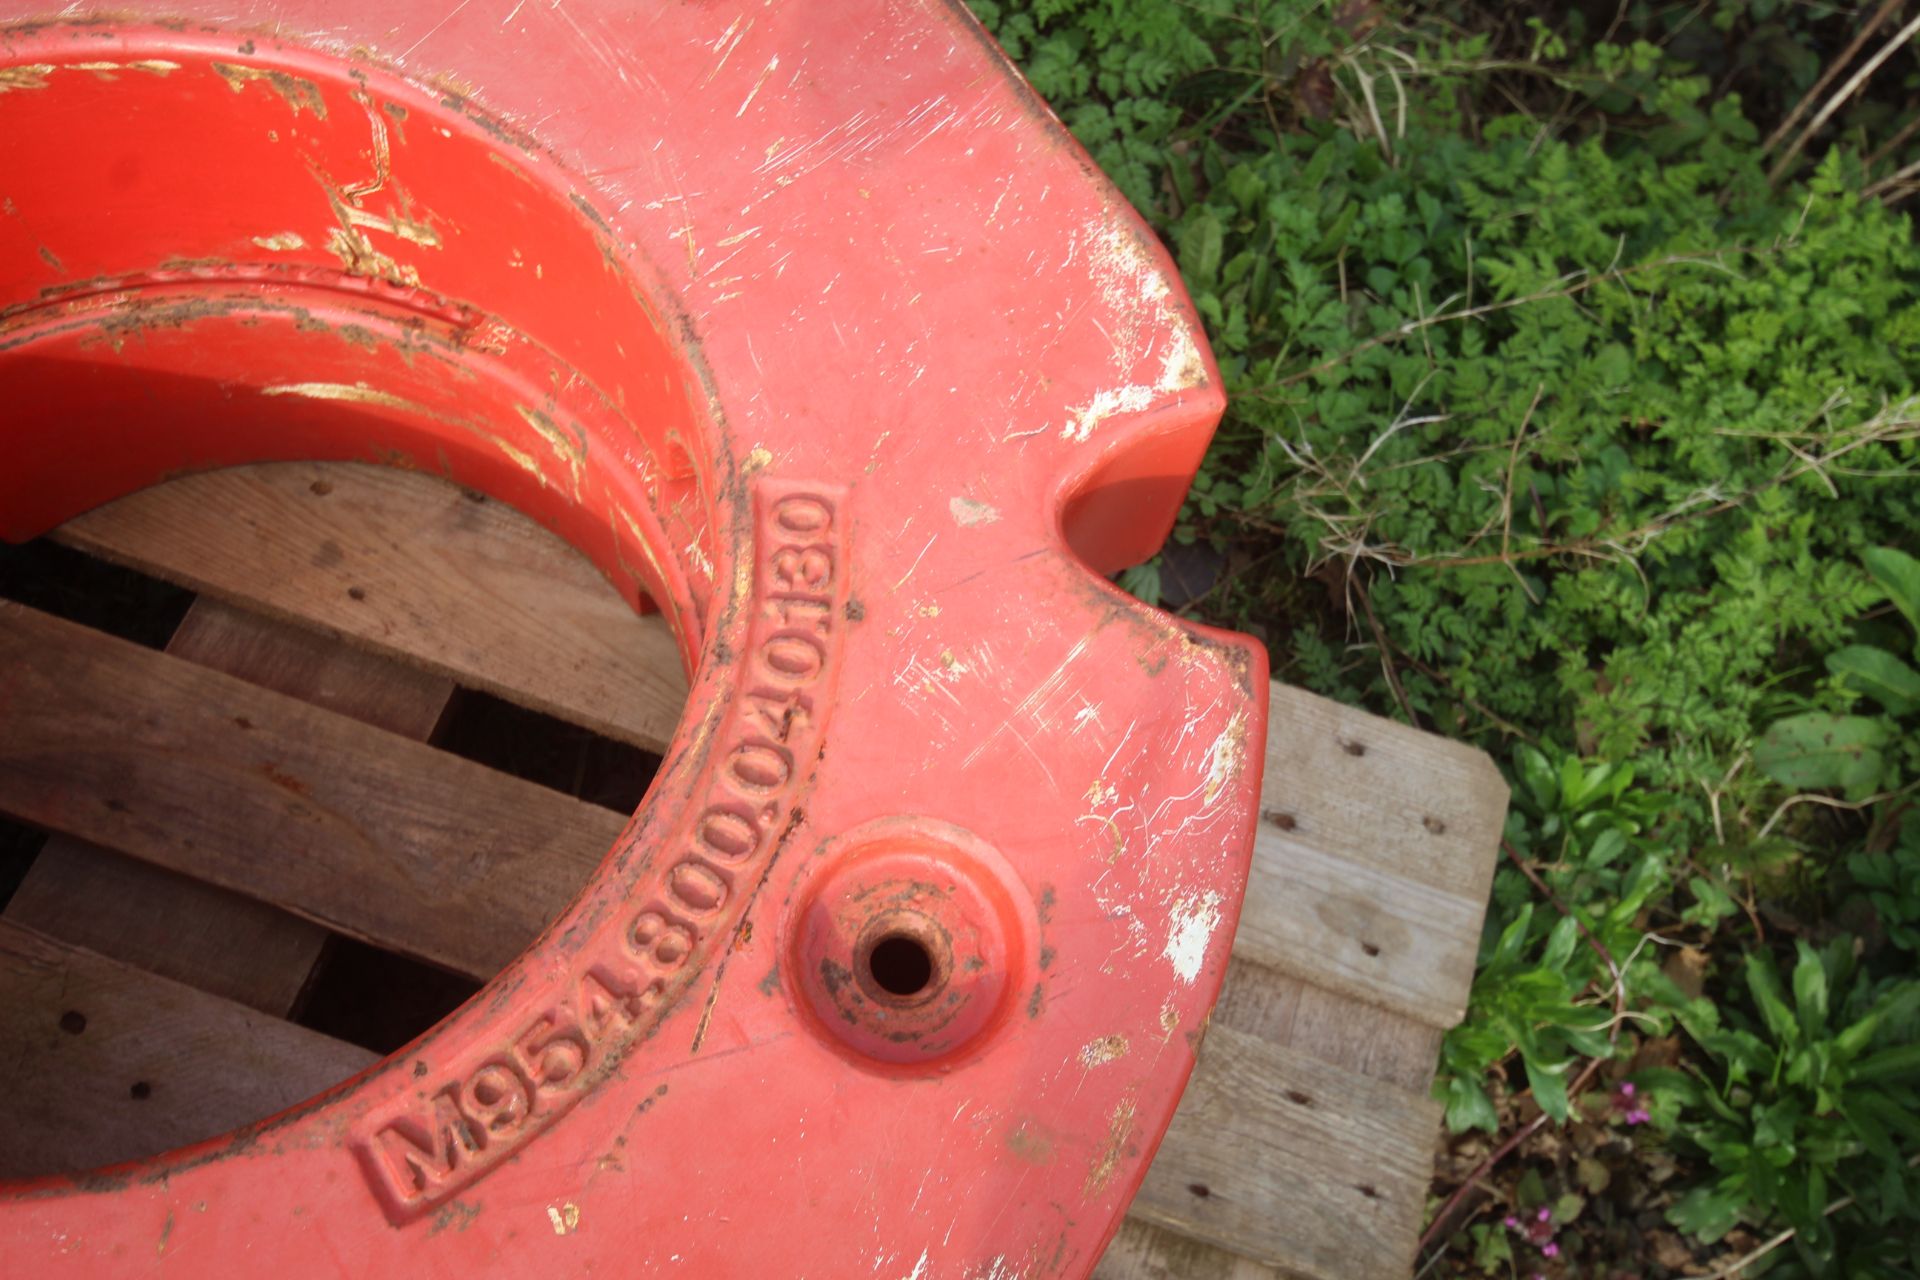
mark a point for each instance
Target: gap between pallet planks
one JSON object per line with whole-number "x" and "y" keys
{"x": 1304, "y": 1143}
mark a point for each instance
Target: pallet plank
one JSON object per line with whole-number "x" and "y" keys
{"x": 363, "y": 831}
{"x": 1373, "y": 859}
{"x": 1142, "y": 1251}
{"x": 1350, "y": 928}
{"x": 106, "y": 1063}
{"x": 388, "y": 695}
{"x": 1389, "y": 847}
{"x": 1294, "y": 1162}
{"x": 1382, "y": 795}
{"x": 388, "y": 559}
{"x": 213, "y": 939}
{"x": 1342, "y": 1032}
{"x": 166, "y": 923}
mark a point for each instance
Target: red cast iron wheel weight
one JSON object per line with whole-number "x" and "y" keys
{"x": 814, "y": 329}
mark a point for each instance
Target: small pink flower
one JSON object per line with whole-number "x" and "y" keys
{"x": 1538, "y": 1233}
{"x": 1550, "y": 1249}
{"x": 1627, "y": 1105}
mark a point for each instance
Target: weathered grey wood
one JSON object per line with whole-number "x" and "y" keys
{"x": 1374, "y": 858}
{"x": 1308, "y": 1167}
{"x": 1142, "y": 1251}
{"x": 212, "y": 938}
{"x": 1366, "y": 933}
{"x": 357, "y": 829}
{"x": 394, "y": 696}
{"x": 1355, "y": 952}
{"x": 105, "y": 1062}
{"x": 414, "y": 568}
{"x": 1375, "y": 1042}
{"x": 1380, "y": 794}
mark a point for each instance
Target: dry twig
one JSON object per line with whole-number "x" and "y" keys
{"x": 1893, "y": 45}
{"x": 1834, "y": 68}
{"x": 1569, "y": 286}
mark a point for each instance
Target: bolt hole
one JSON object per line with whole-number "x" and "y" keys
{"x": 73, "y": 1022}
{"x": 140, "y": 1091}
{"x": 900, "y": 965}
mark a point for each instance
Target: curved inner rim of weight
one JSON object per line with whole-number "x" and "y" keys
{"x": 396, "y": 279}
{"x": 474, "y": 317}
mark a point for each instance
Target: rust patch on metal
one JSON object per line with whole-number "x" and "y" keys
{"x": 32, "y": 75}
{"x": 299, "y": 93}
{"x": 1119, "y": 1131}
{"x": 1031, "y": 1142}
{"x": 1098, "y": 1053}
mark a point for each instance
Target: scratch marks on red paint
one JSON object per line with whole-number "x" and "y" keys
{"x": 773, "y": 65}
{"x": 729, "y": 41}
{"x": 435, "y": 28}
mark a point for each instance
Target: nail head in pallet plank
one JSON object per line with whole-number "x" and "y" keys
{"x": 122, "y": 1039}
{"x": 386, "y": 558}
{"x": 363, "y": 831}
{"x": 212, "y": 938}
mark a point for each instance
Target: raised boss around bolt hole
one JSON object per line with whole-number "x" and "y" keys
{"x": 908, "y": 943}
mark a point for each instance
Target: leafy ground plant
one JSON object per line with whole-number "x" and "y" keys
{"x": 1812, "y": 1095}
{"x": 1854, "y": 754}
{"x": 1570, "y": 350}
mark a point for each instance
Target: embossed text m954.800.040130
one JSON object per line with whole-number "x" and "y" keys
{"x": 812, "y": 328}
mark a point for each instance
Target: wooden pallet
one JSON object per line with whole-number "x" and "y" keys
{"x": 227, "y": 808}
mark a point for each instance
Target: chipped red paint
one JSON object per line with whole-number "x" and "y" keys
{"x": 809, "y": 323}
